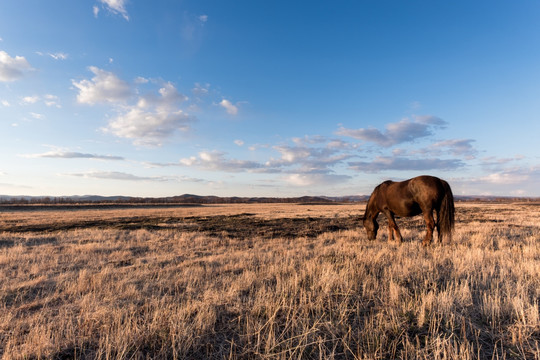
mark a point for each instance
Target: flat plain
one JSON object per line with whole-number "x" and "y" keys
{"x": 269, "y": 281}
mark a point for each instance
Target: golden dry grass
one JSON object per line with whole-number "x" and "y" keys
{"x": 168, "y": 284}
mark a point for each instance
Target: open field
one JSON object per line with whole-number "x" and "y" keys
{"x": 271, "y": 281}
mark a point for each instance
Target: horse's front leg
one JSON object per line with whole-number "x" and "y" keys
{"x": 392, "y": 227}
{"x": 390, "y": 232}
{"x": 430, "y": 225}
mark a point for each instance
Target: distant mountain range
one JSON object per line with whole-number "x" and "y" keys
{"x": 198, "y": 199}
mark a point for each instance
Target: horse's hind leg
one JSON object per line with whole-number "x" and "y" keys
{"x": 430, "y": 225}
{"x": 438, "y": 227}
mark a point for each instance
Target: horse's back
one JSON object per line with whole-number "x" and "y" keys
{"x": 427, "y": 189}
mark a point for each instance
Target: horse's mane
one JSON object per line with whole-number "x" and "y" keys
{"x": 387, "y": 182}
{"x": 376, "y": 190}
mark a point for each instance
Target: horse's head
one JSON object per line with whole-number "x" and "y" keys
{"x": 371, "y": 227}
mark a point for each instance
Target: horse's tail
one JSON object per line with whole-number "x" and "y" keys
{"x": 446, "y": 212}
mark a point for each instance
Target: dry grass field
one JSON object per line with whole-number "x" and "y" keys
{"x": 266, "y": 281}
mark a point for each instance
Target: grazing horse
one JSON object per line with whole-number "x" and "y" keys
{"x": 419, "y": 195}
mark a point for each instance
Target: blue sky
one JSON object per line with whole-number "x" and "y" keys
{"x": 259, "y": 98}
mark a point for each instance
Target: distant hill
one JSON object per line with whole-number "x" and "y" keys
{"x": 199, "y": 199}
{"x": 181, "y": 199}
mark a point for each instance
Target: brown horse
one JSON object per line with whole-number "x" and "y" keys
{"x": 419, "y": 195}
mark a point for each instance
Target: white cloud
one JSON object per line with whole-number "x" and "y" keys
{"x": 115, "y": 7}
{"x": 203, "y": 18}
{"x": 406, "y": 130}
{"x": 12, "y": 69}
{"x": 229, "y": 107}
{"x": 239, "y": 142}
{"x": 5, "y": 103}
{"x": 30, "y": 100}
{"x": 148, "y": 128}
{"x": 153, "y": 118}
{"x": 96, "y": 11}
{"x": 104, "y": 87}
{"x": 291, "y": 154}
{"x": 147, "y": 120}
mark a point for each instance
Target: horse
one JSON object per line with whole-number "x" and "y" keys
{"x": 419, "y": 195}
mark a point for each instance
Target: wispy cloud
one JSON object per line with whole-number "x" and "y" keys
{"x": 15, "y": 186}
{"x": 37, "y": 116}
{"x": 48, "y": 99}
{"x": 117, "y": 7}
{"x": 382, "y": 163}
{"x": 457, "y": 147}
{"x": 12, "y": 68}
{"x": 59, "y": 56}
{"x": 116, "y": 175}
{"x": 307, "y": 179}
{"x": 62, "y": 154}
{"x": 201, "y": 89}
{"x": 406, "y": 130}
{"x": 313, "y": 154}
{"x": 51, "y": 100}
{"x": 217, "y": 161}
{"x": 497, "y": 163}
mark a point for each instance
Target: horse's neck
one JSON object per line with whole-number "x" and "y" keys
{"x": 371, "y": 209}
